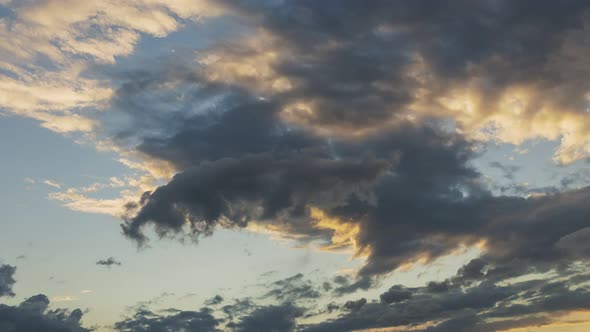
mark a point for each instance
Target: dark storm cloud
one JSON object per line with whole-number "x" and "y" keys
{"x": 409, "y": 187}
{"x": 241, "y": 189}
{"x": 109, "y": 262}
{"x": 299, "y": 169}
{"x": 33, "y": 315}
{"x": 7, "y": 280}
{"x": 351, "y": 58}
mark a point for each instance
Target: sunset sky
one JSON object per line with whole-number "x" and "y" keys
{"x": 294, "y": 165}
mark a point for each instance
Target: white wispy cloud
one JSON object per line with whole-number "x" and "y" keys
{"x": 52, "y": 183}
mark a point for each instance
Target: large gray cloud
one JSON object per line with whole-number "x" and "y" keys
{"x": 407, "y": 185}
{"x": 355, "y": 61}
{"x": 410, "y": 189}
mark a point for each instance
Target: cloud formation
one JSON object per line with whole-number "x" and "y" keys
{"x": 109, "y": 262}
{"x": 146, "y": 321}
{"x": 33, "y": 314}
{"x": 7, "y": 280}
{"x": 345, "y": 124}
{"x": 476, "y": 298}
{"x": 468, "y": 302}
{"x": 340, "y": 138}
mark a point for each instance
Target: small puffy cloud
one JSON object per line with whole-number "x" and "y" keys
{"x": 109, "y": 262}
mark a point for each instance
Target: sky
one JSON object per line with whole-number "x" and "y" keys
{"x": 294, "y": 165}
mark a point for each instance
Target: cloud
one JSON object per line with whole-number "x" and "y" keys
{"x": 396, "y": 294}
{"x": 217, "y": 299}
{"x": 359, "y": 68}
{"x": 7, "y": 280}
{"x": 51, "y": 45}
{"x": 355, "y": 305}
{"x": 361, "y": 97}
{"x": 293, "y": 289}
{"x": 279, "y": 318}
{"x": 176, "y": 320}
{"x": 52, "y": 184}
{"x": 577, "y": 242}
{"x": 109, "y": 262}
{"x": 476, "y": 298}
{"x": 485, "y": 304}
{"x": 241, "y": 316}
{"x": 33, "y": 314}
{"x": 402, "y": 195}
{"x": 352, "y": 126}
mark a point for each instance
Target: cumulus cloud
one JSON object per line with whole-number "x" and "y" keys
{"x": 376, "y": 174}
